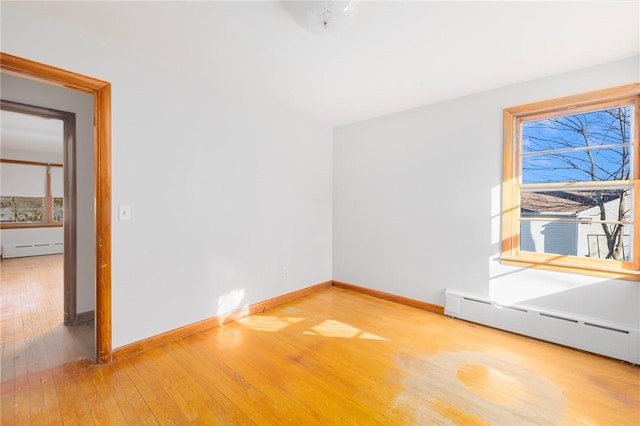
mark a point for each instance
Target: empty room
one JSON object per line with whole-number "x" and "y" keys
{"x": 320, "y": 212}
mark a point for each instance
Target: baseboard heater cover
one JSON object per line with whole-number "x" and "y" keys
{"x": 33, "y": 249}
{"x": 620, "y": 341}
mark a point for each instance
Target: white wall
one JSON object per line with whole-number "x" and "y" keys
{"x": 224, "y": 191}
{"x": 417, "y": 203}
{"x": 227, "y": 191}
{"x": 31, "y": 92}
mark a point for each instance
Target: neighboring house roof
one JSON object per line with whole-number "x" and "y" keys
{"x": 562, "y": 201}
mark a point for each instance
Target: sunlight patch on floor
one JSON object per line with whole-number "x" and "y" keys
{"x": 333, "y": 328}
{"x": 268, "y": 323}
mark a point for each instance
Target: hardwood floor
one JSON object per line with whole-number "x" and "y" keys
{"x": 339, "y": 358}
{"x": 33, "y": 339}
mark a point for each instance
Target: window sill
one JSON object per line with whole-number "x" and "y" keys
{"x": 30, "y": 225}
{"x": 567, "y": 267}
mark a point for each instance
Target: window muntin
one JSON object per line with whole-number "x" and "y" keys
{"x": 571, "y": 182}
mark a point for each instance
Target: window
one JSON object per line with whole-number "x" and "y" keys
{"x": 31, "y": 194}
{"x": 571, "y": 183}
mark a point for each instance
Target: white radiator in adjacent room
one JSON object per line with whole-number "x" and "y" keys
{"x": 32, "y": 249}
{"x": 620, "y": 341}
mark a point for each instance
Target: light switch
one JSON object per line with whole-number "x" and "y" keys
{"x": 124, "y": 212}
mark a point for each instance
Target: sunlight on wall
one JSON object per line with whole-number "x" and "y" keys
{"x": 230, "y": 302}
{"x": 495, "y": 215}
{"x": 224, "y": 275}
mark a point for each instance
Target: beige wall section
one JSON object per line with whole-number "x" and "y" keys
{"x": 35, "y": 93}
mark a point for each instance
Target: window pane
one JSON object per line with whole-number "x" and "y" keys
{"x": 58, "y": 209}
{"x": 591, "y": 129}
{"x": 549, "y": 237}
{"x": 576, "y": 239}
{"x": 564, "y": 222}
{"x": 21, "y": 209}
{"x": 604, "y": 204}
{"x": 599, "y": 164}
{"x": 598, "y": 246}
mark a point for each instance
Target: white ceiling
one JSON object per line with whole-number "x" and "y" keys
{"x": 395, "y": 56}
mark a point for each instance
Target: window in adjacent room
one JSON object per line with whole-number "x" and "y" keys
{"x": 31, "y": 194}
{"x": 571, "y": 183}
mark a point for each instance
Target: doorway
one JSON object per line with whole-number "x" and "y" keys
{"x": 52, "y": 137}
{"x": 101, "y": 92}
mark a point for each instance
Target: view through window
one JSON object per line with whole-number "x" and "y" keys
{"x": 571, "y": 181}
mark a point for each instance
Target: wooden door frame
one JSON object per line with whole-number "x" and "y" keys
{"x": 70, "y": 194}
{"x": 101, "y": 91}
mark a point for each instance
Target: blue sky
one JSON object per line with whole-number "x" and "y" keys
{"x": 579, "y": 147}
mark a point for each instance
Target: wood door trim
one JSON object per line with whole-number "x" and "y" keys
{"x": 101, "y": 91}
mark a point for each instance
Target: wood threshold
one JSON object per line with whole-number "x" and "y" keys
{"x": 390, "y": 297}
{"x": 215, "y": 321}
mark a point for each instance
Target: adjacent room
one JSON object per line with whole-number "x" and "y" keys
{"x": 320, "y": 212}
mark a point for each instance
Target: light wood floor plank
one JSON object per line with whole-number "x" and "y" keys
{"x": 74, "y": 408}
{"x": 283, "y": 358}
{"x": 194, "y": 396}
{"x": 129, "y": 399}
{"x": 307, "y": 405}
{"x": 209, "y": 366}
{"x": 50, "y": 402}
{"x": 33, "y": 340}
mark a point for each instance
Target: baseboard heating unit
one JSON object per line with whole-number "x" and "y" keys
{"x": 620, "y": 341}
{"x": 32, "y": 249}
